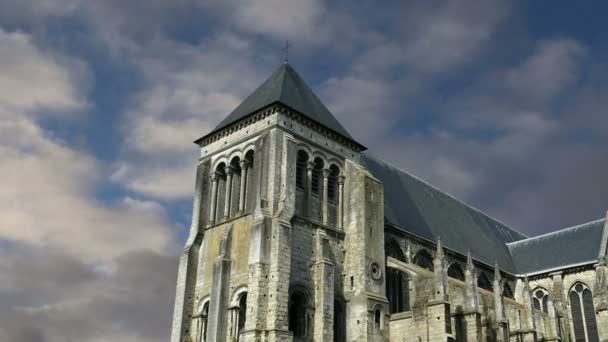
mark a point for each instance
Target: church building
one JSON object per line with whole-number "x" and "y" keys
{"x": 300, "y": 234}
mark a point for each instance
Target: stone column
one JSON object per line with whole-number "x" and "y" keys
{"x": 242, "y": 191}
{"x": 471, "y": 315}
{"x": 212, "y": 210}
{"x": 227, "y": 198}
{"x": 529, "y": 325}
{"x": 339, "y": 218}
{"x": 326, "y": 173}
{"x": 324, "y": 290}
{"x": 234, "y": 323}
{"x": 502, "y": 326}
{"x": 600, "y": 297}
{"x": 441, "y": 279}
{"x": 309, "y": 168}
{"x": 562, "y": 324}
{"x": 220, "y": 286}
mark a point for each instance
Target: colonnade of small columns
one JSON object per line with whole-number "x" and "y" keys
{"x": 227, "y": 172}
{"x": 326, "y": 173}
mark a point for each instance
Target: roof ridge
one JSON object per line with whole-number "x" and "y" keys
{"x": 566, "y": 229}
{"x": 446, "y": 193}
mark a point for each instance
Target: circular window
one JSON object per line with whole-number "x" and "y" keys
{"x": 375, "y": 271}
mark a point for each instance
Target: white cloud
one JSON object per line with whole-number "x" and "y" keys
{"x": 554, "y": 65}
{"x": 188, "y": 92}
{"x": 32, "y": 79}
{"x": 62, "y": 250}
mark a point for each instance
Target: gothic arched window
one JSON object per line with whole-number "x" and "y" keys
{"x": 397, "y": 290}
{"x": 301, "y": 162}
{"x": 393, "y": 250}
{"x": 455, "y": 271}
{"x": 483, "y": 282}
{"x": 583, "y": 314}
{"x": 540, "y": 299}
{"x": 297, "y": 314}
{"x": 424, "y": 260}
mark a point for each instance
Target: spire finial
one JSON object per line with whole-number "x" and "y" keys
{"x": 469, "y": 259}
{"x": 496, "y": 270}
{"x": 439, "y": 252}
{"x": 286, "y": 51}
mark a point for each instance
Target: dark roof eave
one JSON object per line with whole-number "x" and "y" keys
{"x": 215, "y": 131}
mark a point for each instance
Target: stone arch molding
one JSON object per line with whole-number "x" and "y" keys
{"x": 227, "y": 156}
{"x": 236, "y": 295}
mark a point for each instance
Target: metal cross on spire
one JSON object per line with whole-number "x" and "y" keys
{"x": 286, "y": 51}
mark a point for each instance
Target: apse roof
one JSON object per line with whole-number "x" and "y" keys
{"x": 285, "y": 86}
{"x": 419, "y": 208}
{"x": 572, "y": 246}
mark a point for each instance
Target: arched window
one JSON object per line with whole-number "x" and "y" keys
{"x": 297, "y": 314}
{"x": 393, "y": 250}
{"x": 242, "y": 313}
{"x": 316, "y": 175}
{"x": 201, "y": 330}
{"x": 220, "y": 172}
{"x": 397, "y": 290}
{"x": 424, "y": 260}
{"x": 540, "y": 298}
{"x": 332, "y": 182}
{"x": 507, "y": 291}
{"x": 235, "y": 166}
{"x": 483, "y": 282}
{"x": 583, "y": 314}
{"x": 301, "y": 162}
{"x": 455, "y": 271}
{"x": 339, "y": 321}
{"x": 378, "y": 318}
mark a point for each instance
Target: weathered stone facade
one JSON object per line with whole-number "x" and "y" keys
{"x": 290, "y": 241}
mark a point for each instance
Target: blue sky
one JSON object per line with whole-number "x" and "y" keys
{"x": 501, "y": 104}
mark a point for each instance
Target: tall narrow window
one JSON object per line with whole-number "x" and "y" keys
{"x": 202, "y": 331}
{"x": 378, "y": 319}
{"x": 297, "y": 314}
{"x": 339, "y": 322}
{"x": 242, "y": 313}
{"x": 583, "y": 314}
{"x": 332, "y": 183}
{"x": 316, "y": 175}
{"x": 397, "y": 290}
{"x": 301, "y": 170}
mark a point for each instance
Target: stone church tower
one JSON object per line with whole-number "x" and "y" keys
{"x": 298, "y": 234}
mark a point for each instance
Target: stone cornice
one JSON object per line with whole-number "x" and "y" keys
{"x": 281, "y": 109}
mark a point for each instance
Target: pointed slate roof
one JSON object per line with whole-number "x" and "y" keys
{"x": 285, "y": 86}
{"x": 568, "y": 247}
{"x": 422, "y": 210}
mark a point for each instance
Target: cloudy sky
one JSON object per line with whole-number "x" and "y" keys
{"x": 502, "y": 104}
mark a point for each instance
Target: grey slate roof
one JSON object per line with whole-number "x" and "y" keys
{"x": 285, "y": 86}
{"x": 567, "y": 247}
{"x": 419, "y": 208}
